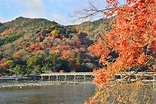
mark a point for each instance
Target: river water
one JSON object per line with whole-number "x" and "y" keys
{"x": 54, "y": 94}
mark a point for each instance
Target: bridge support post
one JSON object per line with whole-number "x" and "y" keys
{"x": 74, "y": 78}
{"x": 84, "y": 78}
{"x": 57, "y": 78}
{"x": 65, "y": 78}
{"x": 49, "y": 78}
{"x": 34, "y": 78}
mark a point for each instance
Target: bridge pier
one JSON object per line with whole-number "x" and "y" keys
{"x": 74, "y": 77}
{"x": 126, "y": 77}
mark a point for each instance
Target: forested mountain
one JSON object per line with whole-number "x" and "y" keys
{"x": 95, "y": 28}
{"x": 40, "y": 44}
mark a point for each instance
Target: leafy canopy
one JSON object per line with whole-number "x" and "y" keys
{"x": 133, "y": 37}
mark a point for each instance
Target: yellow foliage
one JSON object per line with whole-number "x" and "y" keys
{"x": 55, "y": 32}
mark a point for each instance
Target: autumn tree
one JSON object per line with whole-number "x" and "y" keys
{"x": 51, "y": 61}
{"x": 55, "y": 32}
{"x": 21, "y": 70}
{"x": 133, "y": 38}
{"x": 56, "y": 63}
{"x": 36, "y": 62}
{"x": 9, "y": 63}
{"x": 18, "y": 70}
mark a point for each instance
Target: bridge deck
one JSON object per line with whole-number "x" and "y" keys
{"x": 71, "y": 73}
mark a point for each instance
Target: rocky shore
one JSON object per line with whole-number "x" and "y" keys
{"x": 41, "y": 83}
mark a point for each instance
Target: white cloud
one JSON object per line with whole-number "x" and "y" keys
{"x": 60, "y": 18}
{"x": 64, "y": 19}
{"x": 31, "y": 8}
{"x": 57, "y": 10}
{"x": 2, "y": 19}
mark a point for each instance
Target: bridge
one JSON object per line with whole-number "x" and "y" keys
{"x": 124, "y": 77}
{"x": 145, "y": 77}
{"x": 72, "y": 76}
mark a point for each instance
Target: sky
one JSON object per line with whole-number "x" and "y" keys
{"x": 61, "y": 11}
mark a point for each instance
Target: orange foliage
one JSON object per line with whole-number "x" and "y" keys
{"x": 102, "y": 76}
{"x": 6, "y": 32}
{"x": 54, "y": 48}
{"x": 4, "y": 65}
{"x": 32, "y": 46}
{"x": 142, "y": 58}
{"x": 67, "y": 46}
{"x": 36, "y": 49}
{"x": 100, "y": 49}
{"x": 153, "y": 45}
{"x": 61, "y": 71}
{"x": 65, "y": 53}
{"x": 133, "y": 31}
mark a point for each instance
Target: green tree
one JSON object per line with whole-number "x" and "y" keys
{"x": 56, "y": 63}
{"x": 25, "y": 70}
{"x": 18, "y": 70}
{"x": 36, "y": 62}
{"x": 22, "y": 70}
{"x": 51, "y": 61}
{"x": 63, "y": 64}
{"x": 38, "y": 69}
{"x": 79, "y": 58}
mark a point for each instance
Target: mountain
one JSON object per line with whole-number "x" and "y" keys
{"x": 19, "y": 27}
{"x": 95, "y": 28}
{"x": 41, "y": 45}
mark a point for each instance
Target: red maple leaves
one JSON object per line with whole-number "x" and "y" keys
{"x": 132, "y": 35}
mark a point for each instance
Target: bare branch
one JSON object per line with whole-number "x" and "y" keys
{"x": 89, "y": 13}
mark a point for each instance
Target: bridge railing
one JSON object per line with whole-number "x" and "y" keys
{"x": 145, "y": 77}
{"x": 70, "y": 73}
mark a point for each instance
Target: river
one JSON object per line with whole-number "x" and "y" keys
{"x": 54, "y": 94}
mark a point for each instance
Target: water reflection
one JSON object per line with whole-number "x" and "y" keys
{"x": 56, "y": 94}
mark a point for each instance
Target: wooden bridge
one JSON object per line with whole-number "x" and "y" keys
{"x": 127, "y": 77}
{"x": 72, "y": 76}
{"x": 145, "y": 77}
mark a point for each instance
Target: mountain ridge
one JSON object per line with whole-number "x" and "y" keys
{"x": 24, "y": 38}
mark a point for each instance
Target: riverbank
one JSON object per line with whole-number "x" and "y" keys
{"x": 39, "y": 83}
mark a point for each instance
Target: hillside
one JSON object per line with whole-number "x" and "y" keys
{"x": 95, "y": 28}
{"x": 41, "y": 45}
